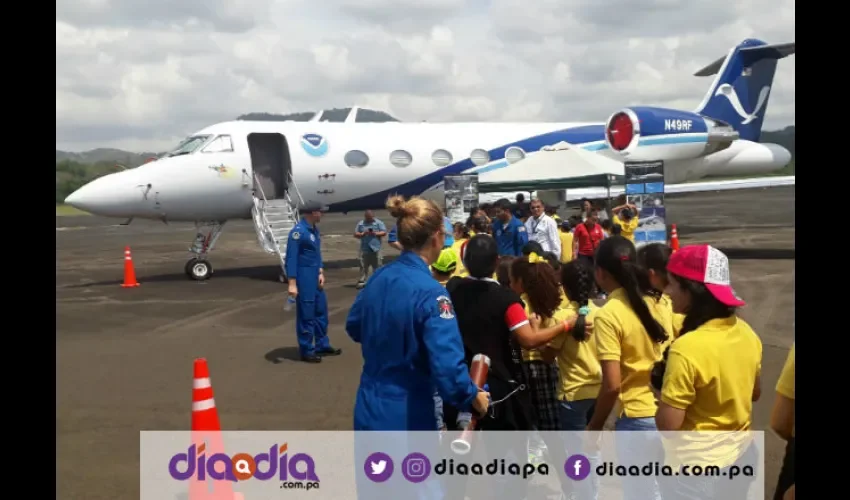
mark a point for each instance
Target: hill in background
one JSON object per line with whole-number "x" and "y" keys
{"x": 784, "y": 138}
{"x": 75, "y": 169}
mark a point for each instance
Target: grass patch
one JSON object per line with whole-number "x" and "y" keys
{"x": 66, "y": 210}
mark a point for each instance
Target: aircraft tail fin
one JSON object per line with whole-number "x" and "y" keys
{"x": 742, "y": 86}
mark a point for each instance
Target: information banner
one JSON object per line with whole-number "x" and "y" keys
{"x": 461, "y": 196}
{"x": 372, "y": 465}
{"x": 645, "y": 190}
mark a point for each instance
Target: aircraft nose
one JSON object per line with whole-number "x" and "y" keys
{"x": 100, "y": 197}
{"x": 77, "y": 199}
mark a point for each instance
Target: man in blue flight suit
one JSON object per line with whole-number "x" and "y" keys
{"x": 392, "y": 239}
{"x": 305, "y": 270}
{"x": 509, "y": 232}
{"x": 450, "y": 232}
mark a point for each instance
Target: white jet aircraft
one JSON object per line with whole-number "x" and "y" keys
{"x": 265, "y": 170}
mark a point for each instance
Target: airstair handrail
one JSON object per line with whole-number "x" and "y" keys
{"x": 260, "y": 185}
{"x": 262, "y": 212}
{"x": 292, "y": 182}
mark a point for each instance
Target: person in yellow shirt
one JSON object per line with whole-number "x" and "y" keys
{"x": 579, "y": 369}
{"x": 709, "y": 377}
{"x": 782, "y": 423}
{"x": 503, "y": 271}
{"x": 627, "y": 217}
{"x": 555, "y": 262}
{"x": 580, "y": 374}
{"x": 631, "y": 333}
{"x": 444, "y": 267}
{"x": 552, "y": 211}
{"x": 538, "y": 285}
{"x": 652, "y": 260}
{"x": 462, "y": 235}
{"x": 566, "y": 235}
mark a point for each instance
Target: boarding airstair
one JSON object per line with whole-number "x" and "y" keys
{"x": 273, "y": 219}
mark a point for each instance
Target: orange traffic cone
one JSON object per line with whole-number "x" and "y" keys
{"x": 129, "y": 270}
{"x": 206, "y": 435}
{"x": 204, "y": 413}
{"x": 674, "y": 238}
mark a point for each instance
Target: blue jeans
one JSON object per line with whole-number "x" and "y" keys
{"x": 438, "y": 410}
{"x": 574, "y": 417}
{"x": 635, "y": 449}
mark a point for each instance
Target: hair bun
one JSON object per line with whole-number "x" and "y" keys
{"x": 397, "y": 206}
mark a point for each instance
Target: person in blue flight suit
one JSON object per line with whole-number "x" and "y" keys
{"x": 392, "y": 239}
{"x": 509, "y": 232}
{"x": 449, "y": 229}
{"x": 305, "y": 270}
{"x": 405, "y": 324}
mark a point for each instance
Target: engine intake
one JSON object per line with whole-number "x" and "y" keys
{"x": 645, "y": 133}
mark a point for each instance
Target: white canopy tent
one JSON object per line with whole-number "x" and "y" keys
{"x": 561, "y": 166}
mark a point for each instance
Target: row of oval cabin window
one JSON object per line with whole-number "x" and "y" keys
{"x": 441, "y": 158}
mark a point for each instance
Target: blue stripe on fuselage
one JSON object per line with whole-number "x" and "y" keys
{"x": 576, "y": 135}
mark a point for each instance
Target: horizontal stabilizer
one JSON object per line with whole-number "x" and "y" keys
{"x": 752, "y": 54}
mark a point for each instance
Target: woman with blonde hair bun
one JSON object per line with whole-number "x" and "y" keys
{"x": 405, "y": 323}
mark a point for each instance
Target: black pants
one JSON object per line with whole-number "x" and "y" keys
{"x": 786, "y": 475}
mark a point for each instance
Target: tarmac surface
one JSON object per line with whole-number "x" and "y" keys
{"x": 124, "y": 356}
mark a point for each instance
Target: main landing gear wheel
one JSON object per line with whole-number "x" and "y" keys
{"x": 199, "y": 269}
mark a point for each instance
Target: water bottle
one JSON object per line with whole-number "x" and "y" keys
{"x": 290, "y": 304}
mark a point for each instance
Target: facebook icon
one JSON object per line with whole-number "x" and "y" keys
{"x": 577, "y": 467}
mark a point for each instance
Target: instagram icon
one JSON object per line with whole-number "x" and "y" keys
{"x": 416, "y": 467}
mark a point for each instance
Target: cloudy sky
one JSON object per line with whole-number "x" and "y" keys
{"x": 141, "y": 74}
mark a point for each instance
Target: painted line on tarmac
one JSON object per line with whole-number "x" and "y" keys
{"x": 78, "y": 228}
{"x": 213, "y": 315}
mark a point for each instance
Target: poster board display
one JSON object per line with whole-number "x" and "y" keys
{"x": 645, "y": 190}
{"x": 461, "y": 193}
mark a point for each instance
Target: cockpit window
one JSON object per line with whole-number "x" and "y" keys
{"x": 221, "y": 144}
{"x": 189, "y": 145}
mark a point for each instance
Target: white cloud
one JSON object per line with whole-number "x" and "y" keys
{"x": 141, "y": 74}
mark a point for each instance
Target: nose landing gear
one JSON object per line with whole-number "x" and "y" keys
{"x": 198, "y": 267}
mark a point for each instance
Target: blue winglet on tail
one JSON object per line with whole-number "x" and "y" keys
{"x": 742, "y": 87}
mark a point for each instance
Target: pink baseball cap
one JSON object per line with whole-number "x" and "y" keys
{"x": 709, "y": 266}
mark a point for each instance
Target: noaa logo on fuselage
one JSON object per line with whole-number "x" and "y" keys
{"x": 314, "y": 145}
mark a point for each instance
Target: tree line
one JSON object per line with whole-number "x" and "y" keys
{"x": 71, "y": 175}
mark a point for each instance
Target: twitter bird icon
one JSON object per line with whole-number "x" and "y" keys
{"x": 378, "y": 467}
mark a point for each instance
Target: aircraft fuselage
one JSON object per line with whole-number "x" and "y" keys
{"x": 216, "y": 180}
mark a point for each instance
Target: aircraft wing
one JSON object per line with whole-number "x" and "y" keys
{"x": 690, "y": 187}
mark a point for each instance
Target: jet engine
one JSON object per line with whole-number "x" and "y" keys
{"x": 645, "y": 134}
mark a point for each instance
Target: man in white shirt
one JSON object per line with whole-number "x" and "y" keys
{"x": 543, "y": 229}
